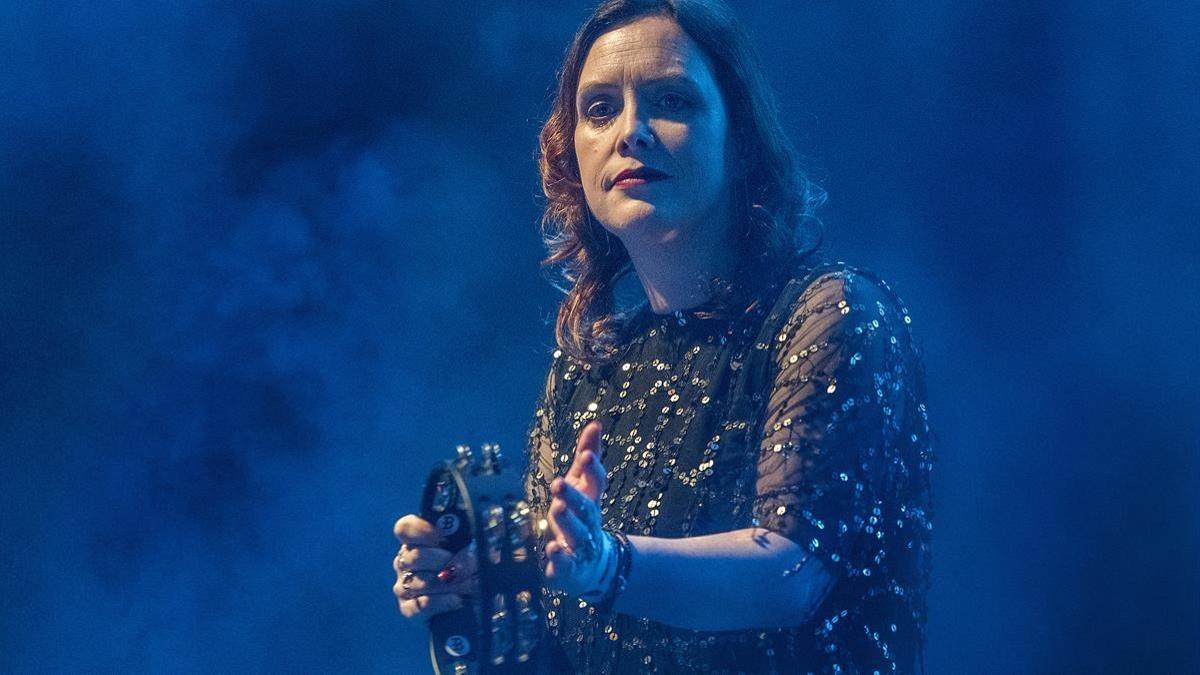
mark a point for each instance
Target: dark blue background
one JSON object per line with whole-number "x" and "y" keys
{"x": 261, "y": 263}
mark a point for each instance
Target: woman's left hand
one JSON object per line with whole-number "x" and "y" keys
{"x": 578, "y": 552}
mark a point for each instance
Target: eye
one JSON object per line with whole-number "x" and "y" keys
{"x": 599, "y": 109}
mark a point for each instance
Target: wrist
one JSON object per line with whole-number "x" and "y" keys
{"x": 607, "y": 565}
{"x": 618, "y": 566}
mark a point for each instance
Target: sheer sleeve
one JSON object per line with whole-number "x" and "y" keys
{"x": 836, "y": 453}
{"x": 542, "y": 444}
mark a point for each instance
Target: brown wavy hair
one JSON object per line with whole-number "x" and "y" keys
{"x": 772, "y": 200}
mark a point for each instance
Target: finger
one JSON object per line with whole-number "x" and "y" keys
{"x": 587, "y": 472}
{"x": 571, "y": 529}
{"x": 583, "y": 539}
{"x": 429, "y": 605}
{"x": 465, "y": 560}
{"x": 576, "y": 500}
{"x": 410, "y": 584}
{"x": 589, "y": 440}
{"x": 416, "y": 531}
{"x": 596, "y": 475}
{"x": 460, "y": 571}
{"x": 418, "y": 559}
{"x": 430, "y": 583}
{"x": 559, "y": 564}
{"x": 557, "y": 508}
{"x": 590, "y": 475}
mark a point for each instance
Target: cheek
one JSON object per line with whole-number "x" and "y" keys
{"x": 702, "y": 151}
{"x": 585, "y": 157}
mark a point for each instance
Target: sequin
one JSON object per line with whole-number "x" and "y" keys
{"x": 815, "y": 428}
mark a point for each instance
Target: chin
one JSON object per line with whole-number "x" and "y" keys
{"x": 640, "y": 218}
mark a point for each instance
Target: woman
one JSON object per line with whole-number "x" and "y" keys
{"x": 734, "y": 475}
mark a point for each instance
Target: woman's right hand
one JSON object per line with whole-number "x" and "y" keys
{"x": 430, "y": 580}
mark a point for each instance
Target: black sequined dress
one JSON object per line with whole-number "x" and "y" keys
{"x": 805, "y": 416}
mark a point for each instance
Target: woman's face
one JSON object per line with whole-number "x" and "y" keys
{"x": 648, "y": 99}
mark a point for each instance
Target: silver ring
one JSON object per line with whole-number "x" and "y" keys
{"x": 406, "y": 580}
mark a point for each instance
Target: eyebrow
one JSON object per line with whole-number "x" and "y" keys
{"x": 672, "y": 78}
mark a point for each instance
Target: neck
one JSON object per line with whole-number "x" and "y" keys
{"x": 676, "y": 268}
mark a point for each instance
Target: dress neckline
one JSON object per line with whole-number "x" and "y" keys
{"x": 701, "y": 318}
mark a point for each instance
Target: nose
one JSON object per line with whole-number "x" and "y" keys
{"x": 636, "y": 132}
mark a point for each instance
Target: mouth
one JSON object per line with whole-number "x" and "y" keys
{"x": 638, "y": 176}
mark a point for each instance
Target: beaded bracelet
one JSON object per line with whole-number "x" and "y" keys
{"x": 611, "y": 564}
{"x": 624, "y": 556}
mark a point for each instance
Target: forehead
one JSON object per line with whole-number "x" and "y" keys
{"x": 648, "y": 48}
